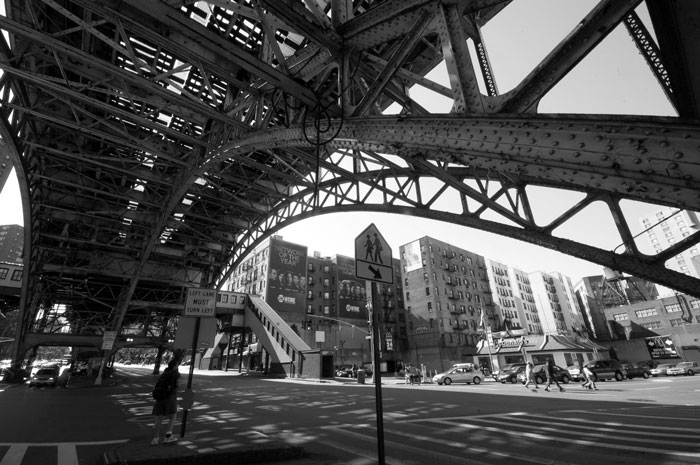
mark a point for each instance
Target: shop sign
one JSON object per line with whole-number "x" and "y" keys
{"x": 513, "y": 342}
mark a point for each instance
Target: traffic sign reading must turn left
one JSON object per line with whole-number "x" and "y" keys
{"x": 373, "y": 257}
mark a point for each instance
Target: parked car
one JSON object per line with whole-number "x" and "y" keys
{"x": 649, "y": 364}
{"x": 44, "y": 377}
{"x": 661, "y": 369}
{"x": 575, "y": 373}
{"x": 607, "y": 369}
{"x": 562, "y": 375}
{"x": 684, "y": 368}
{"x": 345, "y": 371}
{"x": 636, "y": 370}
{"x": 511, "y": 376}
{"x": 459, "y": 373}
{"x": 508, "y": 372}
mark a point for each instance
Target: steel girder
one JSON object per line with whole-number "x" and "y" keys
{"x": 159, "y": 141}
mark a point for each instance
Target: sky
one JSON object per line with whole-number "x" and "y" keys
{"x": 614, "y": 79}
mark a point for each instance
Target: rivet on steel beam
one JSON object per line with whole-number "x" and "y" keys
{"x": 609, "y": 147}
{"x": 677, "y": 155}
{"x": 637, "y": 161}
{"x": 604, "y": 157}
{"x": 581, "y": 145}
{"x": 577, "y": 154}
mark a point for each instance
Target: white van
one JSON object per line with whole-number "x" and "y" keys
{"x": 459, "y": 373}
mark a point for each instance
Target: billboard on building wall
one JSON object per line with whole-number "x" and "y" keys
{"x": 286, "y": 276}
{"x": 412, "y": 256}
{"x": 352, "y": 296}
{"x": 661, "y": 347}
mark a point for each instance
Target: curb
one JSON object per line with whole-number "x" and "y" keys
{"x": 140, "y": 452}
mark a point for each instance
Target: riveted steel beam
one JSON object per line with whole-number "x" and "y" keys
{"x": 465, "y": 86}
{"x": 600, "y": 22}
{"x": 676, "y": 27}
{"x": 646, "y": 159}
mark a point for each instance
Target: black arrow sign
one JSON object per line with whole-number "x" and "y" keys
{"x": 376, "y": 272}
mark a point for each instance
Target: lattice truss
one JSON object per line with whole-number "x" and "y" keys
{"x": 159, "y": 141}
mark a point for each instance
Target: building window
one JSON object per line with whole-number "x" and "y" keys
{"x": 652, "y": 325}
{"x": 677, "y": 322}
{"x": 430, "y": 306}
{"x": 3, "y": 273}
{"x": 695, "y": 303}
{"x": 326, "y": 268}
{"x": 326, "y": 295}
{"x": 673, "y": 308}
{"x": 646, "y": 312}
{"x": 427, "y": 291}
{"x": 326, "y": 310}
{"x": 16, "y": 275}
{"x": 326, "y": 282}
{"x": 621, "y": 316}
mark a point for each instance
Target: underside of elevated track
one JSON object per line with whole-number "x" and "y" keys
{"x": 157, "y": 142}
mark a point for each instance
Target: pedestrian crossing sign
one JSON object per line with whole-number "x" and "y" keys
{"x": 373, "y": 257}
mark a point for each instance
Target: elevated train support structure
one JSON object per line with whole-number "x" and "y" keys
{"x": 158, "y": 142}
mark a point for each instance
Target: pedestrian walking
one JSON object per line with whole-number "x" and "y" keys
{"x": 529, "y": 378}
{"x": 165, "y": 403}
{"x": 590, "y": 378}
{"x": 549, "y": 371}
{"x": 413, "y": 374}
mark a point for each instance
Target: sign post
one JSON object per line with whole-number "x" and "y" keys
{"x": 373, "y": 263}
{"x": 199, "y": 303}
{"x": 108, "y": 339}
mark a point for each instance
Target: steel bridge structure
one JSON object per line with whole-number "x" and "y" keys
{"x": 157, "y": 142}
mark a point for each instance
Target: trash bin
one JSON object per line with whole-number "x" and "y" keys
{"x": 360, "y": 376}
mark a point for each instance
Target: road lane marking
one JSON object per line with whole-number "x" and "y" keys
{"x": 14, "y": 455}
{"x": 56, "y": 444}
{"x": 617, "y": 414}
{"x": 600, "y": 432}
{"x": 656, "y": 428}
{"x": 448, "y": 458}
{"x": 581, "y": 442}
{"x": 401, "y": 445}
{"x": 67, "y": 454}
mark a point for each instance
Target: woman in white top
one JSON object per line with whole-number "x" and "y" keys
{"x": 529, "y": 367}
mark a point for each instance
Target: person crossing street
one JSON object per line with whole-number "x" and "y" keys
{"x": 549, "y": 371}
{"x": 529, "y": 378}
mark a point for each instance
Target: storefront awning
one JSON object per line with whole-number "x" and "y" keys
{"x": 538, "y": 343}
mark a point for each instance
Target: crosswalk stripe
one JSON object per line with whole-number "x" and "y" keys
{"x": 14, "y": 455}
{"x": 67, "y": 454}
{"x": 619, "y": 435}
{"x": 582, "y": 442}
